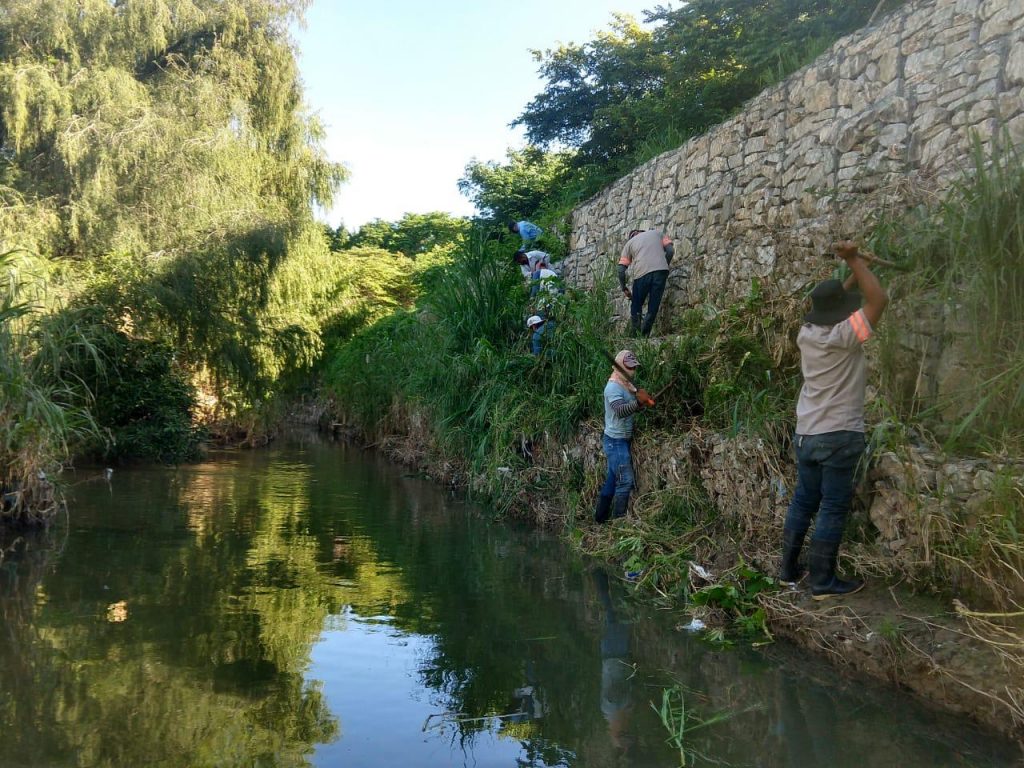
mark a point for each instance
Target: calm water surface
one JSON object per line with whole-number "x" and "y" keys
{"x": 312, "y": 605}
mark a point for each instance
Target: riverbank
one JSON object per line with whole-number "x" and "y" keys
{"x": 929, "y": 645}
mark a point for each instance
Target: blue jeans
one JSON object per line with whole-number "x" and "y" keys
{"x": 619, "y": 480}
{"x": 826, "y": 466}
{"x": 649, "y": 288}
{"x": 537, "y": 339}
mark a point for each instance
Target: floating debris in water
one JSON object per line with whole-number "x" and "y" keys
{"x": 117, "y": 612}
{"x": 695, "y": 625}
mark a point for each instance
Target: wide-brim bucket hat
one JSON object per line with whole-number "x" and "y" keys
{"x": 831, "y": 303}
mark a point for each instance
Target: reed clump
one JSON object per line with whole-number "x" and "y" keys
{"x": 966, "y": 259}
{"x": 42, "y": 411}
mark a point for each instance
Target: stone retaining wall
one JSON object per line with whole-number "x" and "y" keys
{"x": 885, "y": 112}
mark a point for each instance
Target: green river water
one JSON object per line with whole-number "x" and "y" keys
{"x": 311, "y": 604}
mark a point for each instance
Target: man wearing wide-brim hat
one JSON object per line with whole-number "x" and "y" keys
{"x": 622, "y": 399}
{"x": 829, "y": 436}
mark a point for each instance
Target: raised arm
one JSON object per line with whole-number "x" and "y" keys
{"x": 875, "y": 297}
{"x": 620, "y": 270}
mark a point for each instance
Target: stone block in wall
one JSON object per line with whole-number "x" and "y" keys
{"x": 852, "y": 65}
{"x": 926, "y": 152}
{"x": 998, "y": 19}
{"x": 1015, "y": 127}
{"x": 926, "y": 119}
{"x": 923, "y": 63}
{"x": 866, "y": 93}
{"x": 846, "y": 91}
{"x": 888, "y": 68}
{"x": 959, "y": 42}
{"x": 1013, "y": 74}
{"x": 967, "y": 9}
{"x": 893, "y": 135}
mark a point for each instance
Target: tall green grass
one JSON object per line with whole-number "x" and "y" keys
{"x": 968, "y": 258}
{"x": 460, "y": 361}
{"x": 41, "y": 413}
{"x": 462, "y": 357}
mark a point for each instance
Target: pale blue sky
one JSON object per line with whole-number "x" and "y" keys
{"x": 410, "y": 91}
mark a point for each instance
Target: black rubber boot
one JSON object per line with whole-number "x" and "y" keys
{"x": 824, "y": 582}
{"x": 621, "y": 503}
{"x": 791, "y": 571}
{"x": 604, "y": 508}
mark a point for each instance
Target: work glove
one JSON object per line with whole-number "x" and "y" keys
{"x": 644, "y": 398}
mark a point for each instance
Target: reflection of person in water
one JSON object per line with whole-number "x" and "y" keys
{"x": 807, "y": 723}
{"x": 528, "y": 702}
{"x": 616, "y": 670}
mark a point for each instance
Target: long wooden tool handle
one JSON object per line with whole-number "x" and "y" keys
{"x": 664, "y": 389}
{"x": 877, "y": 260}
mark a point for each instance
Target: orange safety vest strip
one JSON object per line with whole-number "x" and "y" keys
{"x": 860, "y": 325}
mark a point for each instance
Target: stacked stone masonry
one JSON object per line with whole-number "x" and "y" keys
{"x": 885, "y": 112}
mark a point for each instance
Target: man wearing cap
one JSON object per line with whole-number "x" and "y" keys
{"x": 532, "y": 261}
{"x": 539, "y": 326}
{"x": 622, "y": 399}
{"x": 829, "y": 436}
{"x": 649, "y": 253}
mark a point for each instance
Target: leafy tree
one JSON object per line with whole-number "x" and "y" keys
{"x": 413, "y": 234}
{"x": 518, "y": 188}
{"x": 337, "y": 238}
{"x": 159, "y": 151}
{"x": 697, "y": 65}
{"x": 153, "y": 126}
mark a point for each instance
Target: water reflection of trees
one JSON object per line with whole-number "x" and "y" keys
{"x": 241, "y": 565}
{"x": 207, "y": 666}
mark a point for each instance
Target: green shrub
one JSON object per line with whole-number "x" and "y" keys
{"x": 144, "y": 403}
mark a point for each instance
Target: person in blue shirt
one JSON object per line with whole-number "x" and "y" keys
{"x": 622, "y": 399}
{"x": 526, "y": 230}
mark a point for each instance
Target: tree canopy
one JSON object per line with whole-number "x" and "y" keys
{"x": 413, "y": 234}
{"x": 693, "y": 68}
{"x": 516, "y": 189}
{"x": 152, "y": 125}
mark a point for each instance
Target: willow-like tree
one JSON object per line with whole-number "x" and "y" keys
{"x": 152, "y": 125}
{"x": 158, "y": 156}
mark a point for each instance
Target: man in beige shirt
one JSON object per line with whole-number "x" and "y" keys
{"x": 649, "y": 253}
{"x": 829, "y": 436}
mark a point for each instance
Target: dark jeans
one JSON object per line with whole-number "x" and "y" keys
{"x": 619, "y": 480}
{"x": 649, "y": 288}
{"x": 826, "y": 465}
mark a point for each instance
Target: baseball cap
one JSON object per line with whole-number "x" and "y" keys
{"x": 627, "y": 359}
